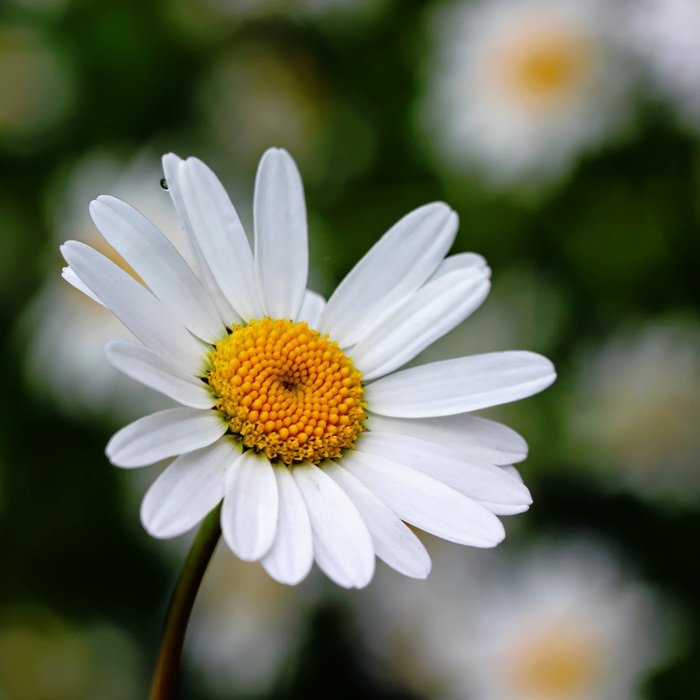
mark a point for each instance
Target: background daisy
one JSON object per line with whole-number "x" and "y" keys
{"x": 517, "y": 90}
{"x": 563, "y": 621}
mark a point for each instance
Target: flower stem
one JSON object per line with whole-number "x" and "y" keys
{"x": 178, "y": 615}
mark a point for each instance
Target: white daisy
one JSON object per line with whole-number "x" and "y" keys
{"x": 665, "y": 34}
{"x": 633, "y": 410}
{"x": 292, "y": 411}
{"x": 564, "y": 621}
{"x": 516, "y": 89}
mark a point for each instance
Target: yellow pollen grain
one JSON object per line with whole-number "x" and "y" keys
{"x": 287, "y": 391}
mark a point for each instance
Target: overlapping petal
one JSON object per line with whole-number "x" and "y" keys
{"x": 75, "y": 281}
{"x": 157, "y": 262}
{"x": 398, "y": 264}
{"x": 220, "y": 237}
{"x": 468, "y": 475}
{"x": 425, "y": 502}
{"x": 157, "y": 372}
{"x": 151, "y": 321}
{"x": 393, "y": 541}
{"x": 429, "y": 313}
{"x": 173, "y": 168}
{"x": 342, "y": 545}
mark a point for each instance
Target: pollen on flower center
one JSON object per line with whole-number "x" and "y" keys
{"x": 287, "y": 391}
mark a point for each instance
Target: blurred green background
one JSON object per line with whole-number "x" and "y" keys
{"x": 595, "y": 256}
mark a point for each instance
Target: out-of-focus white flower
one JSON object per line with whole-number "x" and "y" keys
{"x": 634, "y": 410}
{"x": 66, "y": 332}
{"x": 666, "y": 35}
{"x": 245, "y": 627}
{"x": 44, "y": 656}
{"x": 517, "y": 89}
{"x": 35, "y": 86}
{"x": 561, "y": 622}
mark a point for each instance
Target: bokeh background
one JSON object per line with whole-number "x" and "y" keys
{"x": 565, "y": 133}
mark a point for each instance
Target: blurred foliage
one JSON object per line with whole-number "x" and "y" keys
{"x": 616, "y": 241}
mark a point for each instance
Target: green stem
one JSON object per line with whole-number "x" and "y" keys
{"x": 168, "y": 663}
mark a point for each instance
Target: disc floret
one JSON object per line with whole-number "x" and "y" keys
{"x": 287, "y": 391}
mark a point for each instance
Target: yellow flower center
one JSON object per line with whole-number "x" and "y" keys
{"x": 287, "y": 391}
{"x": 555, "y": 661}
{"x": 542, "y": 65}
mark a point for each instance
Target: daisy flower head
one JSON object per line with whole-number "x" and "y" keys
{"x": 292, "y": 409}
{"x": 517, "y": 89}
{"x": 562, "y": 620}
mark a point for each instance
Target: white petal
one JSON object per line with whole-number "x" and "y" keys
{"x": 500, "y": 509}
{"x": 148, "y": 367}
{"x": 461, "y": 261}
{"x": 187, "y": 490}
{"x": 251, "y": 504}
{"x": 342, "y": 546}
{"x": 435, "y": 309}
{"x": 281, "y": 245}
{"x": 144, "y": 315}
{"x": 173, "y": 167}
{"x": 311, "y": 308}
{"x": 393, "y": 541}
{"x": 472, "y": 477}
{"x": 164, "y": 434}
{"x": 425, "y": 502}
{"x": 398, "y": 264}
{"x": 471, "y": 436}
{"x": 156, "y": 260}
{"x": 73, "y": 279}
{"x": 460, "y": 385}
{"x": 220, "y": 237}
{"x": 510, "y": 469}
{"x": 291, "y": 555}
